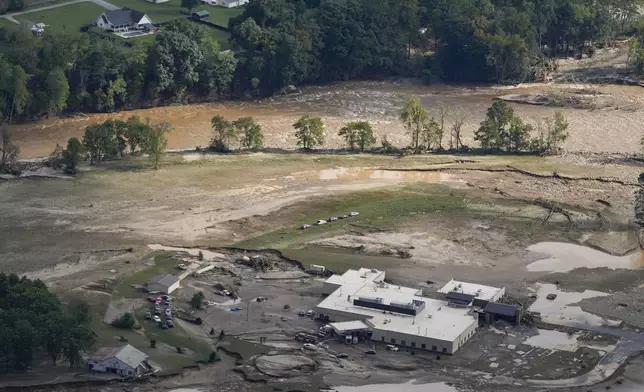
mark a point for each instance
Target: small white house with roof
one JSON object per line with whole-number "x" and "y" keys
{"x": 126, "y": 361}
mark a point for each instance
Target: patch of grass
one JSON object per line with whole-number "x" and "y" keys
{"x": 378, "y": 209}
{"x": 162, "y": 264}
{"x": 340, "y": 260}
{"x": 6, "y": 23}
{"x": 67, "y": 18}
{"x": 166, "y": 12}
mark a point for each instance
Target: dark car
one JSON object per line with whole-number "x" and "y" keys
{"x": 148, "y": 315}
{"x": 370, "y": 352}
{"x": 342, "y": 355}
{"x": 164, "y": 325}
{"x": 169, "y": 323}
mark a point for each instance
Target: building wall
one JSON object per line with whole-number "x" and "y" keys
{"x": 338, "y": 315}
{"x": 101, "y": 24}
{"x": 424, "y": 342}
{"x": 112, "y": 363}
{"x": 145, "y": 20}
{"x": 162, "y": 288}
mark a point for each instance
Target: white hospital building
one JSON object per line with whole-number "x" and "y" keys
{"x": 361, "y": 300}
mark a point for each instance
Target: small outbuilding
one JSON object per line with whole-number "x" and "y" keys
{"x": 200, "y": 15}
{"x": 164, "y": 283}
{"x": 126, "y": 361}
{"x": 496, "y": 311}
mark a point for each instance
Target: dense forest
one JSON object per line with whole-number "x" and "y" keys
{"x": 277, "y": 43}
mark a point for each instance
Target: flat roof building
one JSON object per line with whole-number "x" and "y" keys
{"x": 164, "y": 283}
{"x": 481, "y": 294}
{"x": 396, "y": 314}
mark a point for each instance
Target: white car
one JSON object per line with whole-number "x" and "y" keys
{"x": 310, "y": 346}
{"x": 353, "y": 213}
{"x": 393, "y": 348}
{"x": 156, "y": 319}
{"x": 305, "y": 226}
{"x": 321, "y": 222}
{"x": 182, "y": 267}
{"x": 333, "y": 218}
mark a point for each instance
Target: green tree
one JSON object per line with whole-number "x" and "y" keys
{"x": 358, "y": 133}
{"x": 309, "y": 131}
{"x": 136, "y": 132}
{"x": 197, "y": 300}
{"x": 414, "y": 117}
{"x": 493, "y": 132}
{"x": 223, "y": 131}
{"x": 156, "y": 143}
{"x": 57, "y": 90}
{"x": 8, "y": 149}
{"x": 79, "y": 310}
{"x": 430, "y": 134}
{"x": 189, "y": 4}
{"x": 100, "y": 141}
{"x": 249, "y": 133}
{"x": 21, "y": 94}
{"x": 125, "y": 321}
{"x": 518, "y": 137}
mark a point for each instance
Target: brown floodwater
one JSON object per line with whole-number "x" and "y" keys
{"x": 612, "y": 130}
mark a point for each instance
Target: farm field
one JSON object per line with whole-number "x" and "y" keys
{"x": 66, "y": 18}
{"x": 171, "y": 10}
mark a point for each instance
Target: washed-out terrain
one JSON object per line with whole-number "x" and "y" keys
{"x": 559, "y": 225}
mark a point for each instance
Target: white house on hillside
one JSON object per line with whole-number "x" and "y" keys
{"x": 123, "y": 20}
{"x": 232, "y": 3}
{"x": 126, "y": 361}
{"x": 164, "y": 283}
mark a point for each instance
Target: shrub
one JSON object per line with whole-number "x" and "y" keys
{"x": 287, "y": 307}
{"x": 153, "y": 343}
{"x": 197, "y": 300}
{"x": 126, "y": 321}
{"x": 179, "y": 350}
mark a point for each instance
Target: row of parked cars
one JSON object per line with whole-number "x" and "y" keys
{"x": 331, "y": 219}
{"x": 163, "y": 317}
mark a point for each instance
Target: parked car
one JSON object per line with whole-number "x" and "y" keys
{"x": 156, "y": 318}
{"x": 393, "y": 348}
{"x": 152, "y": 299}
{"x": 226, "y": 293}
{"x": 353, "y": 213}
{"x": 157, "y": 311}
{"x": 169, "y": 323}
{"x": 182, "y": 267}
{"x": 163, "y": 326}
{"x": 148, "y": 315}
{"x": 342, "y": 355}
{"x": 168, "y": 312}
{"x": 321, "y": 222}
{"x": 370, "y": 352}
{"x": 343, "y": 216}
{"x": 305, "y": 226}
{"x": 310, "y": 346}
{"x": 333, "y": 218}
{"x": 310, "y": 313}
{"x": 301, "y": 313}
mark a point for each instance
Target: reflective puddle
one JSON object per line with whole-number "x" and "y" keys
{"x": 563, "y": 257}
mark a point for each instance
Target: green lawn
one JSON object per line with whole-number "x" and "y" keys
{"x": 166, "y": 12}
{"x": 5, "y": 23}
{"x": 68, "y": 18}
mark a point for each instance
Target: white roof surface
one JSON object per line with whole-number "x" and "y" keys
{"x": 126, "y": 354}
{"x": 436, "y": 320}
{"x": 486, "y": 293}
{"x": 349, "y": 326}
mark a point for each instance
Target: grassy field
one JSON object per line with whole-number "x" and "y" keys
{"x": 5, "y": 23}
{"x": 67, "y": 18}
{"x": 166, "y": 12}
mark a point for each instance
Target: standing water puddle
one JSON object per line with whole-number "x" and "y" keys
{"x": 407, "y": 387}
{"x": 560, "y": 310}
{"x": 563, "y": 257}
{"x": 357, "y": 173}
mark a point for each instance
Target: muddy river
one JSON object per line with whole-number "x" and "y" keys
{"x": 615, "y": 129}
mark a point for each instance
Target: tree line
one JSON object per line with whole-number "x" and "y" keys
{"x": 501, "y": 131}
{"x": 277, "y": 43}
{"x": 283, "y": 42}
{"x": 71, "y": 72}
{"x": 33, "y": 320}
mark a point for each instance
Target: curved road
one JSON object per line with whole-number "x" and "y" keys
{"x": 101, "y": 3}
{"x": 630, "y": 344}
